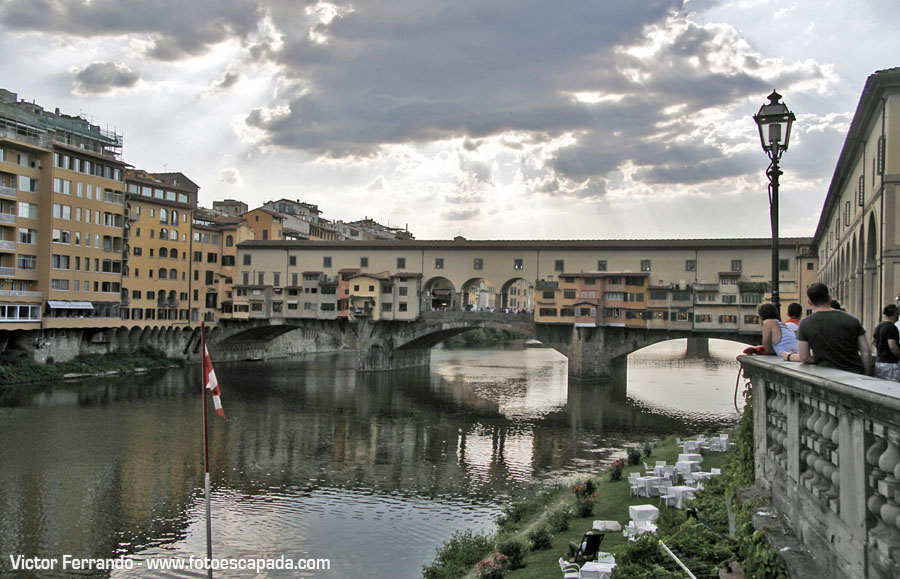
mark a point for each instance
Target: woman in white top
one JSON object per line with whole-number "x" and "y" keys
{"x": 777, "y": 337}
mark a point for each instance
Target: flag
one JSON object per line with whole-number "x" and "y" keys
{"x": 209, "y": 377}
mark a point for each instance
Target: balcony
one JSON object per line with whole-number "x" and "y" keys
{"x": 7, "y": 245}
{"x": 8, "y": 192}
{"x": 7, "y": 218}
{"x": 20, "y": 294}
{"x": 7, "y": 272}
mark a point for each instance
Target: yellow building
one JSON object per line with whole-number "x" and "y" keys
{"x": 157, "y": 273}
{"x": 266, "y": 224}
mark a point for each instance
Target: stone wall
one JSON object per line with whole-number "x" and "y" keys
{"x": 827, "y": 448}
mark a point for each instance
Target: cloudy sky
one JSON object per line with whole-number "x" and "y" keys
{"x": 490, "y": 119}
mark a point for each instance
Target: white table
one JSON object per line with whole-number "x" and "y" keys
{"x": 680, "y": 494}
{"x": 695, "y": 456}
{"x": 686, "y": 466}
{"x": 700, "y": 475}
{"x": 649, "y": 484}
{"x": 643, "y": 513}
{"x": 598, "y": 569}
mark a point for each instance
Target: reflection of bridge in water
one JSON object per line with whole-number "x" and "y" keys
{"x": 593, "y": 352}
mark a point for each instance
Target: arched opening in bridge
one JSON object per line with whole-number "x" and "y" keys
{"x": 517, "y": 295}
{"x": 440, "y": 295}
{"x": 477, "y": 295}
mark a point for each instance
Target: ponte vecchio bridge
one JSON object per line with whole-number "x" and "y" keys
{"x": 595, "y": 301}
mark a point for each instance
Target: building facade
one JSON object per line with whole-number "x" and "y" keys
{"x": 858, "y": 239}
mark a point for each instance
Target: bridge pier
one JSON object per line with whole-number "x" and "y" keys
{"x": 697, "y": 348}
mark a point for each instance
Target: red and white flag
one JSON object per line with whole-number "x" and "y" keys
{"x": 209, "y": 377}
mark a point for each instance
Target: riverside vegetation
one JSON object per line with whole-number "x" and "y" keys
{"x": 533, "y": 533}
{"x": 24, "y": 370}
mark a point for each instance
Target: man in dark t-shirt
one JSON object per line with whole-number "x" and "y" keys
{"x": 831, "y": 338}
{"x": 886, "y": 339}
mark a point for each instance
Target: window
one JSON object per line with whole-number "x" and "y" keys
{"x": 751, "y": 298}
{"x": 478, "y": 263}
{"x": 246, "y": 260}
{"x": 61, "y": 236}
{"x": 690, "y": 265}
{"x": 518, "y": 264}
{"x": 728, "y": 319}
{"x": 261, "y": 278}
{"x": 438, "y": 263}
{"x": 28, "y": 210}
{"x": 363, "y": 262}
{"x": 548, "y": 295}
{"x": 751, "y": 319}
{"x": 211, "y": 257}
{"x": 657, "y": 294}
{"x": 229, "y": 241}
{"x": 27, "y": 235}
{"x": 704, "y": 318}
{"x": 861, "y": 200}
{"x": 62, "y": 211}
{"x": 729, "y": 299}
{"x": 59, "y": 261}
{"x": 26, "y": 261}
{"x": 569, "y": 294}
{"x": 784, "y": 265}
{"x": 387, "y": 307}
{"x": 809, "y": 266}
{"x": 547, "y": 312}
{"x": 402, "y": 291}
{"x": 601, "y": 265}
{"x": 559, "y": 265}
{"x": 292, "y": 260}
{"x": 59, "y": 284}
{"x": 645, "y": 265}
{"x": 401, "y": 263}
{"x": 403, "y": 306}
{"x": 326, "y": 261}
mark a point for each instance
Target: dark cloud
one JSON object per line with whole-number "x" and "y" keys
{"x": 177, "y": 29}
{"x": 103, "y": 77}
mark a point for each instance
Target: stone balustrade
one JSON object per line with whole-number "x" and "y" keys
{"x": 827, "y": 448}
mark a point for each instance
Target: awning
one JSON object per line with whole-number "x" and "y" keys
{"x": 61, "y": 305}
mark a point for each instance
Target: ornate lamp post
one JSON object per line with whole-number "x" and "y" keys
{"x": 774, "y": 121}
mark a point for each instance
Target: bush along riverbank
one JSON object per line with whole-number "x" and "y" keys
{"x": 534, "y": 533}
{"x": 23, "y": 371}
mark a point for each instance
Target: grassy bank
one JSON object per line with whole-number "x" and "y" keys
{"x": 534, "y": 533}
{"x": 26, "y": 370}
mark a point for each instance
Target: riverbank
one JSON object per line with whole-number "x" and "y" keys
{"x": 533, "y": 534}
{"x": 25, "y": 370}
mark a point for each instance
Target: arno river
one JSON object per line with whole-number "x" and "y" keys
{"x": 373, "y": 472}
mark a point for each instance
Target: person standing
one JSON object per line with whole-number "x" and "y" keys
{"x": 831, "y": 338}
{"x": 886, "y": 339}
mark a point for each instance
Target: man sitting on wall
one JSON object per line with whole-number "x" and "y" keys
{"x": 831, "y": 338}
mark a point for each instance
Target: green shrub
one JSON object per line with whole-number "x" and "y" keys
{"x": 559, "y": 519}
{"x": 493, "y": 568}
{"x": 634, "y": 456}
{"x": 541, "y": 539}
{"x": 457, "y": 556}
{"x": 515, "y": 550}
{"x": 616, "y": 469}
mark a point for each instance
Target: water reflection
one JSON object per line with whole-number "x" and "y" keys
{"x": 315, "y": 457}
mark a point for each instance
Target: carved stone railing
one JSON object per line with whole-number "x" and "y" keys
{"x": 827, "y": 448}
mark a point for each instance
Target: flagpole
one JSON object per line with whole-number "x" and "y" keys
{"x": 205, "y": 450}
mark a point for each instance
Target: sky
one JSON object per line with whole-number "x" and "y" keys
{"x": 604, "y": 119}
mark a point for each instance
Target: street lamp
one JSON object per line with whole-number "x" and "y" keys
{"x": 774, "y": 121}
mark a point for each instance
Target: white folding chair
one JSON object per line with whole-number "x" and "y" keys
{"x": 636, "y": 487}
{"x": 663, "y": 488}
{"x": 715, "y": 470}
{"x": 570, "y": 570}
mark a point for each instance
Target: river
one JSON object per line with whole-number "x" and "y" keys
{"x": 370, "y": 471}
